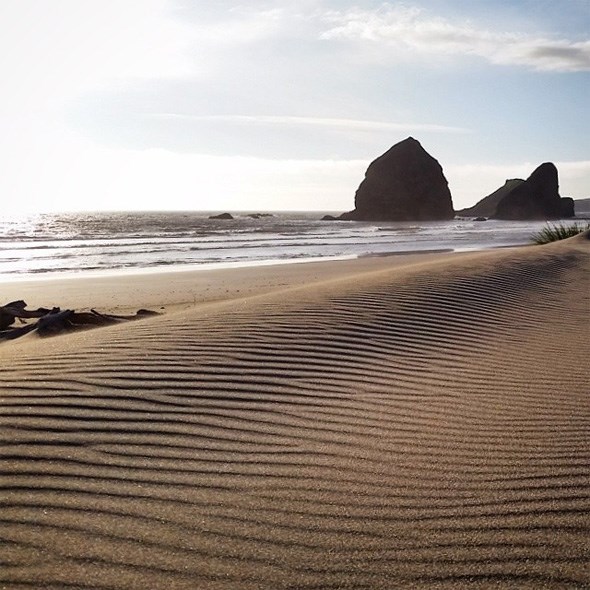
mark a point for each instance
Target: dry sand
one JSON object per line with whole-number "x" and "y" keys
{"x": 382, "y": 423}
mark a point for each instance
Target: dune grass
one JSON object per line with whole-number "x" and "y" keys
{"x": 554, "y": 232}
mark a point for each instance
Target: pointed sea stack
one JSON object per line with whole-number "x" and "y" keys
{"x": 536, "y": 198}
{"x": 404, "y": 184}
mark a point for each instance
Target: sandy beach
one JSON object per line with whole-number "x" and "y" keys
{"x": 416, "y": 421}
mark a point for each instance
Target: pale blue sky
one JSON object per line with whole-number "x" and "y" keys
{"x": 187, "y": 104}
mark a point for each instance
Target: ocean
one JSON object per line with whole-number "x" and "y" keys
{"x": 50, "y": 245}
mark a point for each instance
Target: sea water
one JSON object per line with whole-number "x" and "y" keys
{"x": 48, "y": 245}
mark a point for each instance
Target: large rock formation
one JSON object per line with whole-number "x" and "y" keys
{"x": 536, "y": 198}
{"x": 487, "y": 206}
{"x": 404, "y": 184}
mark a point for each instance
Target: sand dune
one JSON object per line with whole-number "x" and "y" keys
{"x": 418, "y": 426}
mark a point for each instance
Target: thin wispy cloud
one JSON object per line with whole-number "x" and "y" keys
{"x": 414, "y": 30}
{"x": 334, "y": 123}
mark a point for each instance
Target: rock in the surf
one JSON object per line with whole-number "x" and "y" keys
{"x": 222, "y": 216}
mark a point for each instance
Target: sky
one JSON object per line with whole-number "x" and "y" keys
{"x": 276, "y": 105}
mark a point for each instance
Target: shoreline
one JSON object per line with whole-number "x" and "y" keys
{"x": 160, "y": 269}
{"x": 207, "y": 266}
{"x": 181, "y": 288}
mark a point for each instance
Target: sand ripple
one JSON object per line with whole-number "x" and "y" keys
{"x": 417, "y": 428}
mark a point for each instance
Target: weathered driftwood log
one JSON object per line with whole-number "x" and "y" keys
{"x": 17, "y": 332}
{"x": 16, "y": 309}
{"x": 55, "y": 321}
{"x": 141, "y": 313}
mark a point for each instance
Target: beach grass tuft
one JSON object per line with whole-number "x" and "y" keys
{"x": 553, "y": 232}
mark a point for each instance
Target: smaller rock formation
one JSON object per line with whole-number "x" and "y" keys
{"x": 259, "y": 215}
{"x": 487, "y": 206}
{"x": 222, "y": 216}
{"x": 404, "y": 184}
{"x": 536, "y": 198}
{"x": 329, "y": 218}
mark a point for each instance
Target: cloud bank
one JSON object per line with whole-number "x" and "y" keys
{"x": 412, "y": 30}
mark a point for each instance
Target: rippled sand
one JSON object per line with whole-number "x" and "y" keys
{"x": 383, "y": 426}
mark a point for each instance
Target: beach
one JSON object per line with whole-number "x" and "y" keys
{"x": 410, "y": 421}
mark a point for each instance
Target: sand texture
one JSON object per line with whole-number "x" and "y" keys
{"x": 417, "y": 426}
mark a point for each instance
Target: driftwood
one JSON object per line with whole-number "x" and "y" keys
{"x": 16, "y": 309}
{"x": 51, "y": 322}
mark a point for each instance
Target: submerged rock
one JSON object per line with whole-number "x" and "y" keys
{"x": 404, "y": 184}
{"x": 222, "y": 216}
